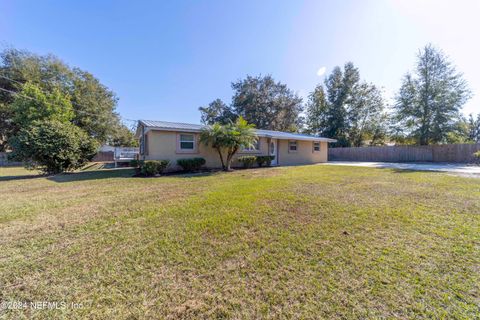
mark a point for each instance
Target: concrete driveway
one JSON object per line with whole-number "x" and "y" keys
{"x": 462, "y": 169}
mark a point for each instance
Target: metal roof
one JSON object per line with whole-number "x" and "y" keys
{"x": 171, "y": 125}
{"x": 187, "y": 127}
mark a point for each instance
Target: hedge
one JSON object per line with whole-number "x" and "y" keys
{"x": 247, "y": 161}
{"x": 191, "y": 164}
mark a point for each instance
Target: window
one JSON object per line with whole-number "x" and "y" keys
{"x": 316, "y": 146}
{"x": 292, "y": 146}
{"x": 187, "y": 142}
{"x": 255, "y": 147}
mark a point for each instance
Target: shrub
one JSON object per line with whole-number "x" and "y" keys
{"x": 135, "y": 163}
{"x": 53, "y": 146}
{"x": 476, "y": 156}
{"x": 191, "y": 164}
{"x": 265, "y": 160}
{"x": 229, "y": 138}
{"x": 152, "y": 167}
{"x": 247, "y": 161}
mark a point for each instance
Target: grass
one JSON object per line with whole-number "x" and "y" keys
{"x": 305, "y": 242}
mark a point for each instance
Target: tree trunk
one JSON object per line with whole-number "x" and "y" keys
{"x": 230, "y": 155}
{"x": 221, "y": 158}
{"x": 229, "y": 161}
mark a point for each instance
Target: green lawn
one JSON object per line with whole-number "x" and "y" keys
{"x": 303, "y": 242}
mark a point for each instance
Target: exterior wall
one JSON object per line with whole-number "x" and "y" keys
{"x": 162, "y": 145}
{"x": 304, "y": 154}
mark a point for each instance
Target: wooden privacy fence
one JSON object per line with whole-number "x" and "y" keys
{"x": 103, "y": 156}
{"x": 459, "y": 153}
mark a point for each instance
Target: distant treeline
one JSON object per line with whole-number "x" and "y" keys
{"x": 427, "y": 107}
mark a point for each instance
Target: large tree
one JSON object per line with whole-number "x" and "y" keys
{"x": 93, "y": 104}
{"x": 217, "y": 112}
{"x": 53, "y": 146}
{"x": 316, "y": 111}
{"x": 267, "y": 104}
{"x": 473, "y": 127}
{"x": 32, "y": 104}
{"x": 428, "y": 104}
{"x": 366, "y": 118}
{"x": 347, "y": 109}
{"x": 45, "y": 137}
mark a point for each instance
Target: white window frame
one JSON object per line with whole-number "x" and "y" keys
{"x": 179, "y": 143}
{"x": 319, "y": 146}
{"x": 292, "y": 143}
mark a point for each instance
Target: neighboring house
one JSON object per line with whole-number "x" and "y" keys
{"x": 161, "y": 140}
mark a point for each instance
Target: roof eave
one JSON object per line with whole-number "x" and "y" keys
{"x": 174, "y": 129}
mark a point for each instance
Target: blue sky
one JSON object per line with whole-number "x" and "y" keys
{"x": 164, "y": 59}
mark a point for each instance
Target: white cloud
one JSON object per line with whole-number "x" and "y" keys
{"x": 321, "y": 71}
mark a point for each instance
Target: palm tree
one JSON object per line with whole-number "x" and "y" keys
{"x": 229, "y": 138}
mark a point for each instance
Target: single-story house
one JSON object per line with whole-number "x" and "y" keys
{"x": 161, "y": 140}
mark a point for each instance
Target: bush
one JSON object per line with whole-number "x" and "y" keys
{"x": 53, "y": 146}
{"x": 150, "y": 168}
{"x": 476, "y": 156}
{"x": 247, "y": 161}
{"x": 265, "y": 160}
{"x": 135, "y": 163}
{"x": 191, "y": 164}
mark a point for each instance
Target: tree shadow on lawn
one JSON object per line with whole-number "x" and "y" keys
{"x": 105, "y": 174}
{"x": 22, "y": 177}
{"x": 92, "y": 175}
{"x": 121, "y": 173}
{"x": 75, "y": 176}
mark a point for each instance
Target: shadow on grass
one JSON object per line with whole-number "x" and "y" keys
{"x": 121, "y": 173}
{"x": 92, "y": 175}
{"x": 105, "y": 174}
{"x": 397, "y": 170}
{"x": 187, "y": 175}
{"x": 22, "y": 177}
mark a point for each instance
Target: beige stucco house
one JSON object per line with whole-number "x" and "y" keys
{"x": 161, "y": 140}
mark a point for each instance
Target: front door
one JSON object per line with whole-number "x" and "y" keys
{"x": 273, "y": 151}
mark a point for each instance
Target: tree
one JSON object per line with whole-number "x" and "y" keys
{"x": 217, "y": 112}
{"x": 428, "y": 103}
{"x": 267, "y": 104}
{"x": 229, "y": 139}
{"x": 45, "y": 137}
{"x": 316, "y": 113}
{"x": 474, "y": 128}
{"x": 93, "y": 103}
{"x": 347, "y": 109}
{"x": 53, "y": 146}
{"x": 459, "y": 132}
{"x": 6, "y": 126}
{"x": 339, "y": 86}
{"x": 94, "y": 106}
{"x": 32, "y": 105}
{"x": 366, "y": 117}
{"x": 122, "y": 137}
